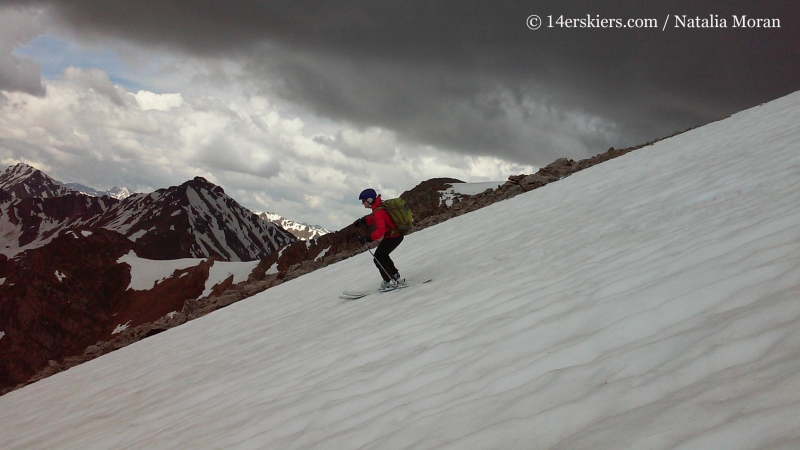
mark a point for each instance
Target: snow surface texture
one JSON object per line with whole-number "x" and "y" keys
{"x": 448, "y": 195}
{"x": 647, "y": 302}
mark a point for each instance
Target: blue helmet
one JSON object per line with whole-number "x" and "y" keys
{"x": 368, "y": 194}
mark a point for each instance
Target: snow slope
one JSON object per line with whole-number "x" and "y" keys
{"x": 647, "y": 302}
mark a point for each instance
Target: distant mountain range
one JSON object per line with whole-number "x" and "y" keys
{"x": 301, "y": 231}
{"x": 117, "y": 192}
{"x": 193, "y": 220}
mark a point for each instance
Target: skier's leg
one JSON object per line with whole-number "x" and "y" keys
{"x": 379, "y": 265}
{"x": 382, "y": 258}
{"x": 378, "y": 260}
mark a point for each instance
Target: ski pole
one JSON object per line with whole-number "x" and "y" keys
{"x": 376, "y": 260}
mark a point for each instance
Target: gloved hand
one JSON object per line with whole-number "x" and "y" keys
{"x": 360, "y": 222}
{"x": 364, "y": 239}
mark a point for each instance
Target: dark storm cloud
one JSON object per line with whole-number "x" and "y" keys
{"x": 18, "y": 73}
{"x": 470, "y": 76}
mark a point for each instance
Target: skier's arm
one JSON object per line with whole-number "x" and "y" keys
{"x": 379, "y": 216}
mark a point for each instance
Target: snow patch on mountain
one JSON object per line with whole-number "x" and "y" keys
{"x": 145, "y": 273}
{"x": 220, "y": 271}
{"x": 121, "y": 327}
{"x": 458, "y": 189}
{"x": 322, "y": 254}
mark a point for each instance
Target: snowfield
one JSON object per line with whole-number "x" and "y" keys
{"x": 649, "y": 302}
{"x": 145, "y": 273}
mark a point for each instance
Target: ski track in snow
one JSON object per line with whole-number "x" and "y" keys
{"x": 647, "y": 302}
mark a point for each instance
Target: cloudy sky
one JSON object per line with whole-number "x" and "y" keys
{"x": 294, "y": 107}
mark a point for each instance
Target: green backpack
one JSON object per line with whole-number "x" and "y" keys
{"x": 400, "y": 213}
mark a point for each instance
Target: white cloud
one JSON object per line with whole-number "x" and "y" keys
{"x": 89, "y": 130}
{"x": 162, "y": 102}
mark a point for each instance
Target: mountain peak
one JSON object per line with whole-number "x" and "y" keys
{"x": 17, "y": 173}
{"x": 217, "y": 225}
{"x": 202, "y": 183}
{"x": 24, "y": 181}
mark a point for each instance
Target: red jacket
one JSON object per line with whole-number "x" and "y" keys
{"x": 384, "y": 227}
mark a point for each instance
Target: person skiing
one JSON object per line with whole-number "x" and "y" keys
{"x": 385, "y": 230}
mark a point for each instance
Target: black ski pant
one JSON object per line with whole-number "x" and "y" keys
{"x": 382, "y": 260}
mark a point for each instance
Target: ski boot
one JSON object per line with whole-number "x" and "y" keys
{"x": 398, "y": 280}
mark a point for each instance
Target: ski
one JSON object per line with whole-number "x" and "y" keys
{"x": 355, "y": 295}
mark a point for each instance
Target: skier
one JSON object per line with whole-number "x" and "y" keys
{"x": 385, "y": 229}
